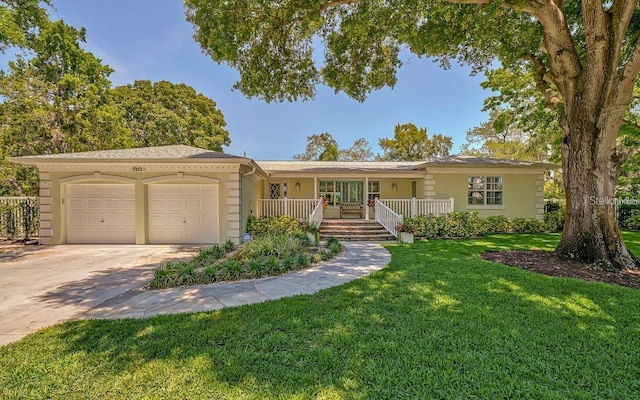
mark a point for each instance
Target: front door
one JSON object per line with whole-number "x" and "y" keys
{"x": 349, "y": 192}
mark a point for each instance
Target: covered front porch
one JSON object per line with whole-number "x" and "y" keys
{"x": 388, "y": 213}
{"x": 314, "y": 190}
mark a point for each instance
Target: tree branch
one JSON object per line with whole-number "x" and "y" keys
{"x": 542, "y": 79}
{"x": 621, "y": 12}
{"x": 627, "y": 79}
{"x": 558, "y": 44}
{"x": 598, "y": 41}
{"x": 337, "y": 3}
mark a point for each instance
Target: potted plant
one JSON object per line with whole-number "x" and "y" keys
{"x": 313, "y": 231}
{"x": 405, "y": 233}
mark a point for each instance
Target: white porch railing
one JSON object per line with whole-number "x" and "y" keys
{"x": 296, "y": 208}
{"x": 315, "y": 219}
{"x": 413, "y": 207}
{"x": 388, "y": 218}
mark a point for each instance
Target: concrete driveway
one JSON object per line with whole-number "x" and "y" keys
{"x": 42, "y": 286}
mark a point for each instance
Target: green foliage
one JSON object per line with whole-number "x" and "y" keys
{"x": 633, "y": 220}
{"x": 502, "y": 137}
{"x": 411, "y": 143}
{"x": 164, "y": 113}
{"x": 271, "y": 225}
{"x": 554, "y": 220}
{"x": 8, "y": 221}
{"x": 324, "y": 147}
{"x": 470, "y": 224}
{"x": 497, "y": 224}
{"x": 527, "y": 225}
{"x": 270, "y": 254}
{"x": 19, "y": 218}
{"x": 332, "y": 240}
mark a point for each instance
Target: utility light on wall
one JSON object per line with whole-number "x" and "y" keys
{"x": 297, "y": 185}
{"x": 394, "y": 186}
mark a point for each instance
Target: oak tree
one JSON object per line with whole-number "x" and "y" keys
{"x": 165, "y": 113}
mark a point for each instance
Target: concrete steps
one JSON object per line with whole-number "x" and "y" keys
{"x": 354, "y": 230}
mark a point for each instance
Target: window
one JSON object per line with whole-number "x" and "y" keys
{"x": 341, "y": 191}
{"x": 274, "y": 190}
{"x": 374, "y": 190}
{"x": 484, "y": 190}
{"x": 327, "y": 190}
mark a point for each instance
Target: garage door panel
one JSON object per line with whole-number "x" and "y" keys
{"x": 101, "y": 213}
{"x": 179, "y": 213}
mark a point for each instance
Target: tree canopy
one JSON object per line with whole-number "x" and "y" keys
{"x": 323, "y": 147}
{"x": 410, "y": 143}
{"x": 164, "y": 113}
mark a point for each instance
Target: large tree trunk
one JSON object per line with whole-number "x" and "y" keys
{"x": 590, "y": 167}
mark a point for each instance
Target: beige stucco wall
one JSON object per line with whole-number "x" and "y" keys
{"x": 53, "y": 193}
{"x": 522, "y": 193}
{"x": 252, "y": 189}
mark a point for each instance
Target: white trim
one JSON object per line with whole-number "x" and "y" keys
{"x": 97, "y": 176}
{"x": 137, "y": 167}
{"x": 180, "y": 176}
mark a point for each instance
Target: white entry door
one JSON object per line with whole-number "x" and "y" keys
{"x": 183, "y": 213}
{"x": 101, "y": 213}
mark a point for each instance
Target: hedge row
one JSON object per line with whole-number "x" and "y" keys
{"x": 470, "y": 224}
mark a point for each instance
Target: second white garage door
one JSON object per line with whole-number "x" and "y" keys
{"x": 183, "y": 213}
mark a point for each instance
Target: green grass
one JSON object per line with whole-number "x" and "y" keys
{"x": 438, "y": 322}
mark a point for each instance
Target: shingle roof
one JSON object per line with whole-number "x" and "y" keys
{"x": 173, "y": 152}
{"x": 461, "y": 160}
{"x": 337, "y": 166}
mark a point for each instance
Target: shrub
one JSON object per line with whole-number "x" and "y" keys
{"x": 209, "y": 254}
{"x": 331, "y": 240}
{"x": 302, "y": 260}
{"x": 463, "y": 224}
{"x": 633, "y": 221}
{"x": 186, "y": 274}
{"x": 288, "y": 263}
{"x": 161, "y": 278}
{"x": 335, "y": 248}
{"x": 554, "y": 220}
{"x": 470, "y": 224}
{"x": 255, "y": 269}
{"x": 497, "y": 224}
{"x": 271, "y": 265}
{"x": 228, "y": 246}
{"x": 270, "y": 225}
{"x": 209, "y": 274}
{"x": 230, "y": 270}
{"x": 527, "y": 225}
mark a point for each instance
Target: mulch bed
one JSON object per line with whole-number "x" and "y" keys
{"x": 545, "y": 262}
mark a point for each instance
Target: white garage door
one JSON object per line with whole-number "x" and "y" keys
{"x": 183, "y": 213}
{"x": 101, "y": 213}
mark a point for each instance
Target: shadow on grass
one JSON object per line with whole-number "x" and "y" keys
{"x": 438, "y": 322}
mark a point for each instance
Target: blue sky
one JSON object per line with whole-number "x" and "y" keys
{"x": 150, "y": 39}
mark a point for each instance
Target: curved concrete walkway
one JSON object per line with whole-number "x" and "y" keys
{"x": 361, "y": 259}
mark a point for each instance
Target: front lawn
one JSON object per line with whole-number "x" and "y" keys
{"x": 438, "y": 322}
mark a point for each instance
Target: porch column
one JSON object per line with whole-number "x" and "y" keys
{"x": 366, "y": 197}
{"x": 315, "y": 187}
